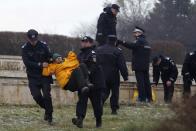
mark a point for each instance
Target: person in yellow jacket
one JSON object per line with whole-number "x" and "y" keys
{"x": 70, "y": 75}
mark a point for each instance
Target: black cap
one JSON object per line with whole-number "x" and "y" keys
{"x": 116, "y": 7}
{"x": 87, "y": 39}
{"x": 32, "y": 34}
{"x": 138, "y": 29}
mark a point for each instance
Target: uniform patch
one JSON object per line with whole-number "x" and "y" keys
{"x": 23, "y": 46}
{"x": 44, "y": 42}
{"x": 192, "y": 53}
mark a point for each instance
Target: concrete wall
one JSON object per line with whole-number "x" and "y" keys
{"x": 14, "y": 86}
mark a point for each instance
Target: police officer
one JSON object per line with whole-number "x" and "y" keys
{"x": 36, "y": 55}
{"x": 112, "y": 60}
{"x": 140, "y": 63}
{"x": 169, "y": 72}
{"x": 88, "y": 56}
{"x": 189, "y": 72}
{"x": 106, "y": 25}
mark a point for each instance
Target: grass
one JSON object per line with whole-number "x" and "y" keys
{"x": 129, "y": 118}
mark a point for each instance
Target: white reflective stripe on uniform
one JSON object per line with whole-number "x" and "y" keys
{"x": 171, "y": 79}
{"x": 187, "y": 73}
{"x": 112, "y": 36}
{"x": 148, "y": 47}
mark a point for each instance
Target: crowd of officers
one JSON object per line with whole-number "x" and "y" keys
{"x": 105, "y": 62}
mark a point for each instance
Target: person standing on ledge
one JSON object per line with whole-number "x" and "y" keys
{"x": 106, "y": 25}
{"x": 36, "y": 56}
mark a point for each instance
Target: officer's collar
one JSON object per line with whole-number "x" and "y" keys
{"x": 141, "y": 36}
{"x": 32, "y": 45}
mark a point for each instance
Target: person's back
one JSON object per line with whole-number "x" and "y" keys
{"x": 112, "y": 61}
{"x": 109, "y": 57}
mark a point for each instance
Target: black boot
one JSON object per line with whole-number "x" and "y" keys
{"x": 46, "y": 116}
{"x": 50, "y": 119}
{"x": 78, "y": 122}
{"x": 114, "y": 112}
{"x": 74, "y": 121}
{"x": 98, "y": 122}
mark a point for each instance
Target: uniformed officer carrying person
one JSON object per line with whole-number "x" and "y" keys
{"x": 189, "y": 72}
{"x": 112, "y": 60}
{"x": 165, "y": 67}
{"x": 106, "y": 25}
{"x": 36, "y": 55}
{"x": 140, "y": 63}
{"x": 88, "y": 56}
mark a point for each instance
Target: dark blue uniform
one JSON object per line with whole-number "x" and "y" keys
{"x": 33, "y": 57}
{"x": 140, "y": 64}
{"x": 88, "y": 57}
{"x": 189, "y": 72}
{"x": 112, "y": 60}
{"x": 106, "y": 26}
{"x": 168, "y": 71}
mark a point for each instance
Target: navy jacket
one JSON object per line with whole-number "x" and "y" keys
{"x": 33, "y": 57}
{"x": 88, "y": 56}
{"x": 106, "y": 25}
{"x": 112, "y": 60}
{"x": 167, "y": 69}
{"x": 140, "y": 53}
{"x": 189, "y": 65}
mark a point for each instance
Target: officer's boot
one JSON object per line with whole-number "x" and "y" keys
{"x": 46, "y": 116}
{"x": 79, "y": 123}
{"x": 50, "y": 119}
{"x": 98, "y": 122}
{"x": 114, "y": 112}
{"x": 74, "y": 120}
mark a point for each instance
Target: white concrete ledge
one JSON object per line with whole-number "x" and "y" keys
{"x": 14, "y": 85}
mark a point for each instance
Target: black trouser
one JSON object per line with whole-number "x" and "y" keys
{"x": 40, "y": 90}
{"x": 168, "y": 92}
{"x": 95, "y": 97}
{"x": 78, "y": 79}
{"x": 187, "y": 82}
{"x": 143, "y": 85}
{"x": 113, "y": 86}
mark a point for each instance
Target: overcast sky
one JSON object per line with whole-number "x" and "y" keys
{"x": 48, "y": 16}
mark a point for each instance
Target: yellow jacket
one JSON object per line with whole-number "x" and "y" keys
{"x": 62, "y": 71}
